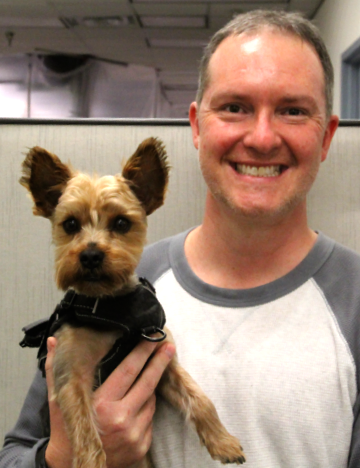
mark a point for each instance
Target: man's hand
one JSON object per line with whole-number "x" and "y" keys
{"x": 125, "y": 405}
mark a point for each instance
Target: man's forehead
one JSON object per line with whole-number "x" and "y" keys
{"x": 253, "y": 41}
{"x": 236, "y": 52}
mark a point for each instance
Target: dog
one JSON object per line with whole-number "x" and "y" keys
{"x": 99, "y": 231}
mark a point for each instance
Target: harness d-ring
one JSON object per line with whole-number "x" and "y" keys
{"x": 153, "y": 330}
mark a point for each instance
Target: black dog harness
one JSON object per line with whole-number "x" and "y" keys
{"x": 138, "y": 314}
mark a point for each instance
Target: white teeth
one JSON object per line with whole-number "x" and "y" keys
{"x": 264, "y": 171}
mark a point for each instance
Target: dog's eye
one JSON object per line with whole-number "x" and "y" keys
{"x": 121, "y": 225}
{"x": 71, "y": 225}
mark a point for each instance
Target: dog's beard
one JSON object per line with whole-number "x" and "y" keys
{"x": 115, "y": 273}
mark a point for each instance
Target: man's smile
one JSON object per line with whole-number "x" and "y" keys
{"x": 259, "y": 171}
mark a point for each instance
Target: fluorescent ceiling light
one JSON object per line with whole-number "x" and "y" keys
{"x": 97, "y": 21}
{"x": 173, "y": 21}
{"x": 30, "y": 22}
{"x": 177, "y": 43}
{"x": 114, "y": 21}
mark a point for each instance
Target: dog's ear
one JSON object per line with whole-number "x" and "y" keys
{"x": 45, "y": 176}
{"x": 148, "y": 173}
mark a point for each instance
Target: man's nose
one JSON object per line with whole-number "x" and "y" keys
{"x": 262, "y": 135}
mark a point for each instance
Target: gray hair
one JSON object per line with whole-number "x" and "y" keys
{"x": 258, "y": 20}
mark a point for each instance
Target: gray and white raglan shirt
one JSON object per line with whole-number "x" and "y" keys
{"x": 280, "y": 362}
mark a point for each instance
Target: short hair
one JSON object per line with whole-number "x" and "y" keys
{"x": 259, "y": 20}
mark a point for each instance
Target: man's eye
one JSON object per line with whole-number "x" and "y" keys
{"x": 233, "y": 108}
{"x": 121, "y": 225}
{"x": 71, "y": 225}
{"x": 294, "y": 111}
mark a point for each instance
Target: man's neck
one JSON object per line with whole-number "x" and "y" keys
{"x": 229, "y": 252}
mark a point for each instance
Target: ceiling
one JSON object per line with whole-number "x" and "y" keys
{"x": 167, "y": 35}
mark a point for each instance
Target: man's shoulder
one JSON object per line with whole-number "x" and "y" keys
{"x": 339, "y": 281}
{"x": 156, "y": 257}
{"x": 340, "y": 272}
{"x": 346, "y": 259}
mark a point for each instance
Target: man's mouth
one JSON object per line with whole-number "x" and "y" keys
{"x": 259, "y": 171}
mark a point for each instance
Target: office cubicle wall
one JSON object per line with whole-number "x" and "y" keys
{"x": 27, "y": 290}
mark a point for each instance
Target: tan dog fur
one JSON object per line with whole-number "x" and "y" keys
{"x": 91, "y": 207}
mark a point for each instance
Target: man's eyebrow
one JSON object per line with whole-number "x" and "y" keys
{"x": 299, "y": 99}
{"x": 230, "y": 96}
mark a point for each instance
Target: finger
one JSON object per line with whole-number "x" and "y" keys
{"x": 51, "y": 344}
{"x": 147, "y": 411}
{"x": 145, "y": 386}
{"x": 122, "y": 378}
{"x": 134, "y": 448}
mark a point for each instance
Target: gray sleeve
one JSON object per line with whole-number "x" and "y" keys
{"x": 339, "y": 280}
{"x": 354, "y": 456}
{"x": 24, "y": 443}
{"x": 155, "y": 260}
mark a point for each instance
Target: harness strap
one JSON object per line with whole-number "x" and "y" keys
{"x": 138, "y": 314}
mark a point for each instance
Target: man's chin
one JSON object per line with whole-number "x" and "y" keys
{"x": 261, "y": 212}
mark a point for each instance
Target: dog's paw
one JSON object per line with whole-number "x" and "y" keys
{"x": 227, "y": 450}
{"x": 237, "y": 461}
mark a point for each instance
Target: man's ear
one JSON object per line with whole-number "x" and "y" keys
{"x": 148, "y": 174}
{"x": 45, "y": 176}
{"x": 194, "y": 122}
{"x": 330, "y": 130}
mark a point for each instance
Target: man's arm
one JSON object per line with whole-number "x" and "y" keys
{"x": 354, "y": 456}
{"x": 125, "y": 405}
{"x": 31, "y": 431}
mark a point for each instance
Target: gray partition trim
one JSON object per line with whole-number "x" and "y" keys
{"x": 96, "y": 121}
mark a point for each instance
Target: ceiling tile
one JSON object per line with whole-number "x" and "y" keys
{"x": 105, "y": 35}
{"x": 176, "y": 33}
{"x": 171, "y": 9}
{"x": 96, "y": 3}
{"x": 219, "y": 9}
{"x": 173, "y": 21}
{"x": 265, "y": 2}
{"x": 92, "y": 8}
{"x": 26, "y": 11}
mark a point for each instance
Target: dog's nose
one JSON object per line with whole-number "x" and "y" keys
{"x": 91, "y": 258}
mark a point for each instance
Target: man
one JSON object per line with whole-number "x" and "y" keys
{"x": 262, "y": 308}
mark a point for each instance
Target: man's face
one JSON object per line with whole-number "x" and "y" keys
{"x": 261, "y": 128}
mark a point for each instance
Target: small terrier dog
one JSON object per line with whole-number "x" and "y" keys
{"x": 99, "y": 230}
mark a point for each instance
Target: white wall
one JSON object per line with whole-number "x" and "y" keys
{"x": 339, "y": 23}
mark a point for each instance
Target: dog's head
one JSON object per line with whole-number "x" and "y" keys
{"x": 98, "y": 224}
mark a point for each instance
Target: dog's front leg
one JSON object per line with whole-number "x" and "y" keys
{"x": 78, "y": 352}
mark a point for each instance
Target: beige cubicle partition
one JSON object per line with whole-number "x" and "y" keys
{"x": 27, "y": 290}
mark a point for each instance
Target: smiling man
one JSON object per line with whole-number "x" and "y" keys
{"x": 264, "y": 311}
{"x": 262, "y": 129}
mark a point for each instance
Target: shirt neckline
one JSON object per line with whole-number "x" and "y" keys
{"x": 306, "y": 269}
